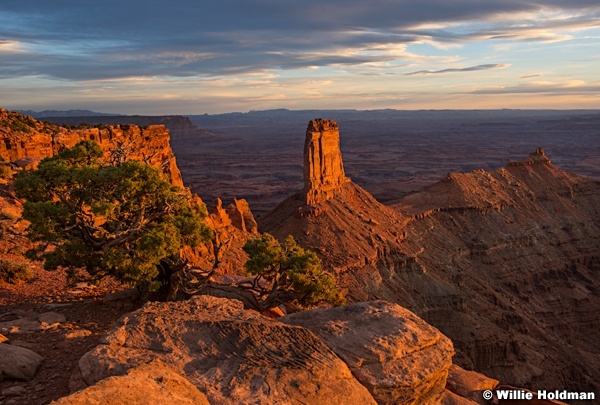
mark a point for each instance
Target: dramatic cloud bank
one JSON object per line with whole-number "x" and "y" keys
{"x": 187, "y": 56}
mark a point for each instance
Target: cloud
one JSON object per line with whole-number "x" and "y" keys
{"x": 140, "y": 48}
{"x": 454, "y": 70}
{"x": 575, "y": 87}
{"x": 75, "y": 40}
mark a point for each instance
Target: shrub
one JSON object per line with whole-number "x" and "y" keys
{"x": 292, "y": 273}
{"x": 15, "y": 272}
{"x": 5, "y": 171}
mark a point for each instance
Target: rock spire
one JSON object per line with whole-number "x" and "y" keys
{"x": 323, "y": 166}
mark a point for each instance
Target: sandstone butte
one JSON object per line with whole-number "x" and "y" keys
{"x": 323, "y": 167}
{"x": 505, "y": 263}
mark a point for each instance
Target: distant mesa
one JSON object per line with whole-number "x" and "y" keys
{"x": 323, "y": 166}
{"x": 67, "y": 113}
{"x": 178, "y": 125}
{"x": 536, "y": 157}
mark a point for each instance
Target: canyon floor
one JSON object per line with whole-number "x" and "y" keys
{"x": 258, "y": 155}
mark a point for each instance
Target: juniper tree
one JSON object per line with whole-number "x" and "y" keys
{"x": 122, "y": 219}
{"x": 290, "y": 273}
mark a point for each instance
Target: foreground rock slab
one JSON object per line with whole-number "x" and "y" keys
{"x": 399, "y": 357}
{"x": 154, "y": 383}
{"x": 232, "y": 355}
{"x": 450, "y": 398}
{"x": 469, "y": 384}
{"x": 18, "y": 363}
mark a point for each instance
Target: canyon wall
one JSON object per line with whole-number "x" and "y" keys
{"x": 518, "y": 252}
{"x": 25, "y": 141}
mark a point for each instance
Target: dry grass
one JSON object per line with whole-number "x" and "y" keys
{"x": 14, "y": 272}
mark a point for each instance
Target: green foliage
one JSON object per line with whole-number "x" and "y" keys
{"x": 5, "y": 171}
{"x": 118, "y": 220}
{"x": 291, "y": 268}
{"x": 22, "y": 124}
{"x": 14, "y": 272}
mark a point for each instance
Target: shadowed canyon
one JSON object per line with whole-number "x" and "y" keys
{"x": 485, "y": 224}
{"x": 487, "y": 237}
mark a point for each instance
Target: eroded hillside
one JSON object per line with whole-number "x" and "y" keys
{"x": 519, "y": 249}
{"x": 505, "y": 263}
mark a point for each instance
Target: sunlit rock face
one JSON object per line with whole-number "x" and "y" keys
{"x": 26, "y": 141}
{"x": 323, "y": 166}
{"x": 391, "y": 351}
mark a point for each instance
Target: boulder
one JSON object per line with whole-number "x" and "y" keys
{"x": 154, "y": 383}
{"x": 22, "y": 325}
{"x": 78, "y": 333}
{"x": 399, "y": 357}
{"x": 18, "y": 363}
{"x": 50, "y": 319}
{"x": 46, "y": 320}
{"x": 230, "y": 354}
{"x": 450, "y": 398}
{"x": 469, "y": 384}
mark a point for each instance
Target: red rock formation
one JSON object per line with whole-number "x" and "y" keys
{"x": 323, "y": 167}
{"x": 241, "y": 216}
{"x": 332, "y": 215}
{"x": 504, "y": 263}
{"x": 24, "y": 140}
{"x": 535, "y": 158}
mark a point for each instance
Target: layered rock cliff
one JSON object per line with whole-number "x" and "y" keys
{"x": 26, "y": 141}
{"x": 505, "y": 263}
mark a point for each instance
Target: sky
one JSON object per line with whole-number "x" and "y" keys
{"x": 195, "y": 57}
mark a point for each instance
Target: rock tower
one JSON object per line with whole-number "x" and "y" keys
{"x": 323, "y": 167}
